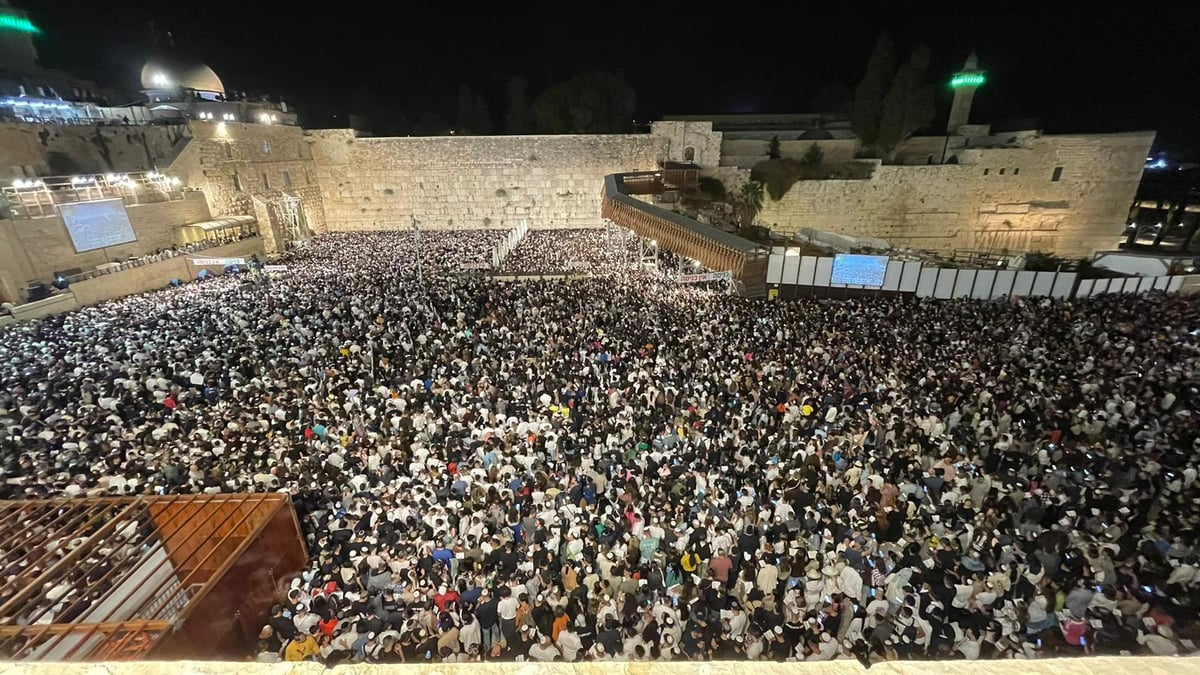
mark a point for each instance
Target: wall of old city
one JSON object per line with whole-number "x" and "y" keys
{"x": 248, "y": 169}
{"x": 469, "y": 182}
{"x": 28, "y": 150}
{"x": 35, "y": 248}
{"x": 1066, "y": 194}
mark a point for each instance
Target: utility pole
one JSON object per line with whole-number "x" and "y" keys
{"x": 417, "y": 238}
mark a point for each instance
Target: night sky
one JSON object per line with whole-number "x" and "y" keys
{"x": 1078, "y": 67}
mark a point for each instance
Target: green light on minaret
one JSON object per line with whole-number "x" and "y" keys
{"x": 17, "y": 23}
{"x": 967, "y": 80}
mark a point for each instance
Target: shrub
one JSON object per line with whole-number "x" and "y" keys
{"x": 711, "y": 188}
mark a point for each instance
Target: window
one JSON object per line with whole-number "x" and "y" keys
{"x": 237, "y": 182}
{"x": 266, "y": 147}
{"x": 985, "y": 171}
{"x": 229, "y": 151}
{"x": 1016, "y": 171}
{"x": 1057, "y": 175}
{"x": 1001, "y": 172}
{"x": 287, "y": 180}
{"x": 689, "y": 154}
{"x": 307, "y": 176}
{"x": 266, "y": 181}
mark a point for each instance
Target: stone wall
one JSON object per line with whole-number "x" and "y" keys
{"x": 34, "y": 248}
{"x": 469, "y": 182}
{"x": 705, "y": 144}
{"x": 158, "y": 274}
{"x": 746, "y": 152}
{"x": 1003, "y": 199}
{"x": 53, "y": 149}
{"x": 236, "y": 164}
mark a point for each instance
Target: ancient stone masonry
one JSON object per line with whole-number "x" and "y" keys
{"x": 1064, "y": 194}
{"x": 54, "y": 150}
{"x": 469, "y": 182}
{"x": 247, "y": 168}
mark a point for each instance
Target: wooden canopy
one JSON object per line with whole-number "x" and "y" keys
{"x": 120, "y": 578}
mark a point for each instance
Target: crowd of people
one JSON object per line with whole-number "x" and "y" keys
{"x": 569, "y": 251}
{"x": 619, "y": 467}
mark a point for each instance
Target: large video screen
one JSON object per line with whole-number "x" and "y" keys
{"x": 98, "y": 224}
{"x": 859, "y": 270}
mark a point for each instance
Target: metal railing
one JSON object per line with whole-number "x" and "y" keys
{"x": 40, "y": 197}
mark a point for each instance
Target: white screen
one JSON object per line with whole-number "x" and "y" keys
{"x": 98, "y": 224}
{"x": 859, "y": 270}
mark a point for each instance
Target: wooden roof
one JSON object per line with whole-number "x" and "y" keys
{"x": 96, "y": 578}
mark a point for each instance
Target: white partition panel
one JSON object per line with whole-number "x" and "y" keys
{"x": 945, "y": 284}
{"x": 928, "y": 282}
{"x": 964, "y": 282}
{"x": 984, "y": 279}
{"x": 1175, "y": 283}
{"x": 808, "y": 271}
{"x": 891, "y": 278}
{"x": 1161, "y": 283}
{"x": 1102, "y": 286}
{"x": 1063, "y": 285}
{"x": 791, "y": 265}
{"x": 910, "y": 276}
{"x": 1085, "y": 288}
{"x": 1004, "y": 283}
{"x": 824, "y": 272}
{"x": 1042, "y": 283}
{"x": 1131, "y": 284}
{"x": 775, "y": 268}
{"x": 1023, "y": 284}
{"x": 1145, "y": 284}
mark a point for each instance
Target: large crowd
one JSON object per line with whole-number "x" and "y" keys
{"x": 619, "y": 467}
{"x": 569, "y": 251}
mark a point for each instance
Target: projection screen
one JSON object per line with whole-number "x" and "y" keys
{"x": 97, "y": 224}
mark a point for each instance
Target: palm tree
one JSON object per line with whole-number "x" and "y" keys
{"x": 749, "y": 202}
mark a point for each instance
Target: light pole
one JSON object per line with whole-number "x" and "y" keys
{"x": 417, "y": 238}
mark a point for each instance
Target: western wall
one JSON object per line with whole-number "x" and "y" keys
{"x": 1064, "y": 194}
{"x": 467, "y": 182}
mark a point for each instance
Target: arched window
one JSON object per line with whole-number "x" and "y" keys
{"x": 689, "y": 154}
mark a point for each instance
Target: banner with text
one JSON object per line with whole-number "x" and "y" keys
{"x": 218, "y": 261}
{"x": 476, "y": 266}
{"x": 707, "y": 276}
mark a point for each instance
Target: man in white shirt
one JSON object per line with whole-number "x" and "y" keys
{"x": 544, "y": 650}
{"x": 569, "y": 643}
{"x": 1161, "y": 643}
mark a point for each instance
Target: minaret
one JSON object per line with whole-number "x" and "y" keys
{"x": 964, "y": 83}
{"x": 18, "y": 56}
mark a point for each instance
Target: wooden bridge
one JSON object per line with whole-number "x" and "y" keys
{"x": 714, "y": 248}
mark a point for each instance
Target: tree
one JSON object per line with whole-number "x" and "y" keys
{"x": 517, "y": 115}
{"x": 909, "y": 104}
{"x": 482, "y": 123}
{"x": 466, "y": 109}
{"x": 871, "y": 90}
{"x": 593, "y": 103}
{"x": 749, "y": 202}
{"x": 813, "y": 157}
{"x": 711, "y": 188}
{"x": 773, "y": 150}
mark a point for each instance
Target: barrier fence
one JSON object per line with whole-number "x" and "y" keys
{"x": 509, "y": 244}
{"x": 907, "y": 276}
